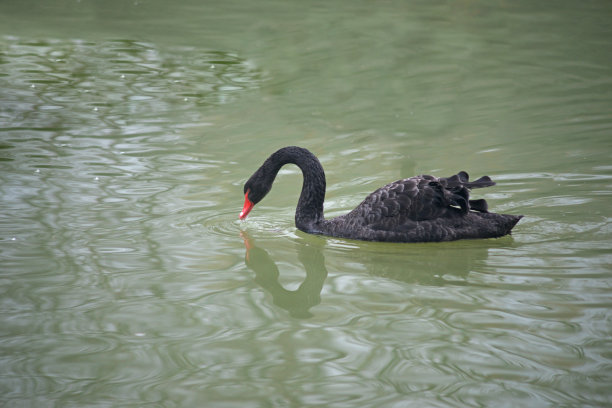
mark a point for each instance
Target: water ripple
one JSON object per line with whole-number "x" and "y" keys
{"x": 107, "y": 82}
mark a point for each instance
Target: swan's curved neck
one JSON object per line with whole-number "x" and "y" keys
{"x": 309, "y": 209}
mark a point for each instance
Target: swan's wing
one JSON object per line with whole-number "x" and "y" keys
{"x": 420, "y": 198}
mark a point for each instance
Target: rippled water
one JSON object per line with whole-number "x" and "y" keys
{"x": 127, "y": 130}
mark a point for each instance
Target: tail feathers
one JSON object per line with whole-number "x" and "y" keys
{"x": 494, "y": 225}
{"x": 511, "y": 221}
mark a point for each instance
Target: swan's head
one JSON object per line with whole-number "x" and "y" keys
{"x": 255, "y": 189}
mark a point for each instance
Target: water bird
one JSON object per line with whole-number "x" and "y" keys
{"x": 417, "y": 209}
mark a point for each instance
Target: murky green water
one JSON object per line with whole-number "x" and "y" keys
{"x": 127, "y": 130}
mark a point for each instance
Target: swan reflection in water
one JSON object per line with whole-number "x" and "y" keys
{"x": 296, "y": 302}
{"x": 424, "y": 264}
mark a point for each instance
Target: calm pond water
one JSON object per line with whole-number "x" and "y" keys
{"x": 127, "y": 129}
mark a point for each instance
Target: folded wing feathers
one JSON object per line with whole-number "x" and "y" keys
{"x": 424, "y": 197}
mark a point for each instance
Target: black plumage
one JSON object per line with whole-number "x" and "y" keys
{"x": 417, "y": 209}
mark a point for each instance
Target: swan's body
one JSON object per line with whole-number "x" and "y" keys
{"x": 416, "y": 209}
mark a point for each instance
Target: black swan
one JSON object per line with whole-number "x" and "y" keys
{"x": 417, "y": 209}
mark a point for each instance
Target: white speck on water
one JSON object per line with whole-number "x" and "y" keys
{"x": 495, "y": 149}
{"x": 95, "y": 109}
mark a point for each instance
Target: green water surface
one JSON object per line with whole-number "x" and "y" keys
{"x": 128, "y": 128}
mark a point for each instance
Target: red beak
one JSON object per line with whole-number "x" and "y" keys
{"x": 248, "y": 206}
